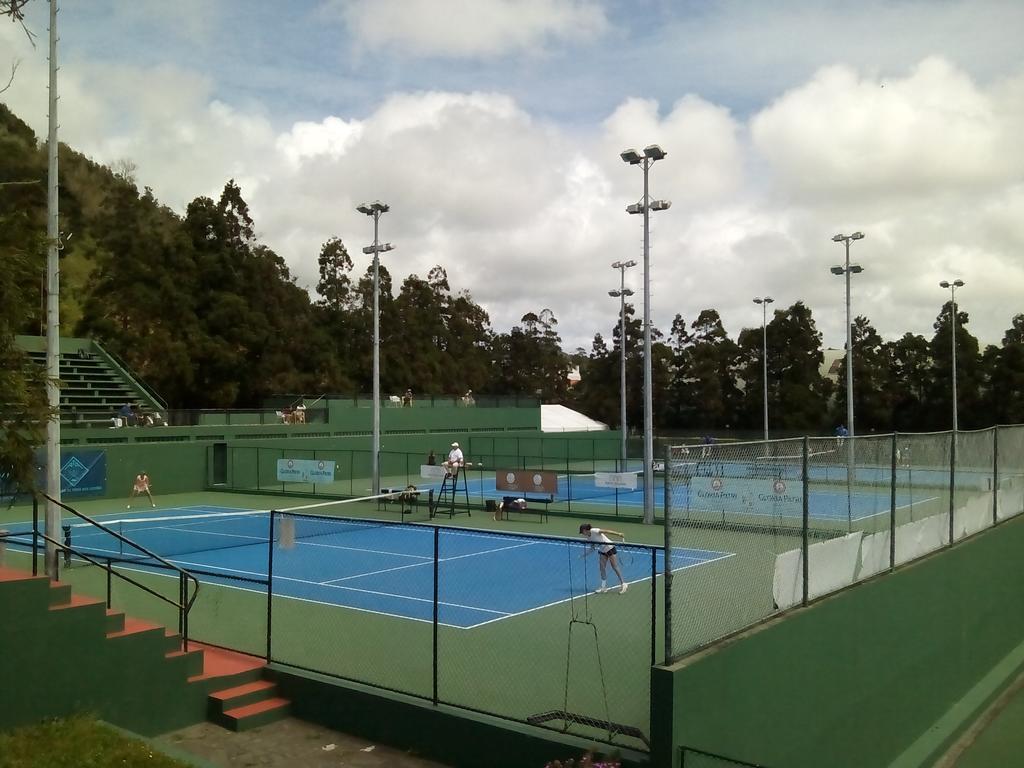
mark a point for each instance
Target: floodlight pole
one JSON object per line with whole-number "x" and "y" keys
{"x": 847, "y": 270}
{"x": 952, "y": 298}
{"x": 651, "y": 155}
{"x": 764, "y": 301}
{"x": 53, "y": 512}
{"x": 375, "y": 209}
{"x": 622, "y": 293}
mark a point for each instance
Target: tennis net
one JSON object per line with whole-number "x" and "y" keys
{"x": 188, "y": 532}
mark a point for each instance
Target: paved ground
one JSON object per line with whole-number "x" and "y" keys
{"x": 996, "y": 740}
{"x": 286, "y": 744}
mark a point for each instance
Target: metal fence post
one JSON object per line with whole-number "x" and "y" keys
{"x": 35, "y": 535}
{"x": 892, "y": 502}
{"x": 806, "y": 521}
{"x": 668, "y": 557}
{"x": 995, "y": 475}
{"x": 437, "y": 561}
{"x": 270, "y": 584}
{"x": 952, "y": 482}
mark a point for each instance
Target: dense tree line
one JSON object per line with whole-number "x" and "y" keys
{"x": 703, "y": 380}
{"x": 212, "y": 317}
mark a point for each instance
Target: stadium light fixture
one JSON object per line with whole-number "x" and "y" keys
{"x": 764, "y": 301}
{"x": 376, "y": 209}
{"x": 651, "y": 155}
{"x": 631, "y": 156}
{"x": 621, "y": 294}
{"x": 847, "y": 270}
{"x": 952, "y": 315}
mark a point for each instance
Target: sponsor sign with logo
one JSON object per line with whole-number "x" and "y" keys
{"x": 623, "y": 480}
{"x": 537, "y": 481}
{"x": 305, "y": 471}
{"x": 82, "y": 473}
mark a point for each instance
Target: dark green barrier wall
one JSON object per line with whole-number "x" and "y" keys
{"x": 854, "y": 680}
{"x": 182, "y": 466}
{"x": 455, "y": 737}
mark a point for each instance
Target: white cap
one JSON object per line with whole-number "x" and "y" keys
{"x": 455, "y": 445}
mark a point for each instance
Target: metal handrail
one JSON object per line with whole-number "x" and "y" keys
{"x": 184, "y": 576}
{"x": 126, "y": 371}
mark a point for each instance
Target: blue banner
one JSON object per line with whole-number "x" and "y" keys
{"x": 305, "y": 471}
{"x": 82, "y": 473}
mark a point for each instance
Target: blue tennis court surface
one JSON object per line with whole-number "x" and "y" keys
{"x": 743, "y": 496}
{"x": 381, "y": 568}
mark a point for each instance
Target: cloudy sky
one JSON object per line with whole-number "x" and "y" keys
{"x": 493, "y": 129}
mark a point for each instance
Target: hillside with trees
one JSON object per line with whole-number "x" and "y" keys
{"x": 211, "y": 317}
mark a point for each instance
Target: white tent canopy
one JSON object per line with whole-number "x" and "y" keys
{"x": 558, "y": 418}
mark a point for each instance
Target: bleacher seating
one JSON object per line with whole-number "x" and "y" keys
{"x": 91, "y": 390}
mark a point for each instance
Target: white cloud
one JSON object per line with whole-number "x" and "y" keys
{"x": 527, "y": 214}
{"x": 470, "y": 28}
{"x": 918, "y": 134}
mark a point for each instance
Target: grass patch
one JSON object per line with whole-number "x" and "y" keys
{"x": 78, "y": 742}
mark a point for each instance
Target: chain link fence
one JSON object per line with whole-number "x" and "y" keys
{"x": 505, "y": 624}
{"x": 798, "y": 519}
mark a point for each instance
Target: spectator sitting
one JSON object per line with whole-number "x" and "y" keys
{"x": 126, "y": 414}
{"x": 407, "y": 399}
{"x": 467, "y": 399}
{"x": 299, "y": 414}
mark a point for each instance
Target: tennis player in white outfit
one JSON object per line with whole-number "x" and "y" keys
{"x": 598, "y": 538}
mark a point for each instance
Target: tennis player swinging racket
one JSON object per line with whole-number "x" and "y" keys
{"x": 598, "y": 538}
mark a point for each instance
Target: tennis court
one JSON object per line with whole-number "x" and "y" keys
{"x": 762, "y": 497}
{"x": 370, "y": 565}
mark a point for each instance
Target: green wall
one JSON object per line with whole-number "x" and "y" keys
{"x": 60, "y": 662}
{"x": 857, "y": 679}
{"x": 182, "y": 466}
{"x": 451, "y": 736}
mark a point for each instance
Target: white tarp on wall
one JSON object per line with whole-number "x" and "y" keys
{"x": 832, "y": 565}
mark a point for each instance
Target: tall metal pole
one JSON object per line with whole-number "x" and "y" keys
{"x": 952, "y": 292}
{"x": 53, "y": 512}
{"x": 648, "y": 385}
{"x": 376, "y": 354}
{"x": 849, "y": 357}
{"x": 622, "y": 366}
{"x": 622, "y": 293}
{"x": 652, "y": 154}
{"x": 375, "y": 209}
{"x": 764, "y": 360}
{"x": 953, "y": 285}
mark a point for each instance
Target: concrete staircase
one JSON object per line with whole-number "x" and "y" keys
{"x": 187, "y": 686}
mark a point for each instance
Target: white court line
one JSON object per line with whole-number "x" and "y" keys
{"x": 724, "y": 556}
{"x": 898, "y": 508}
{"x": 428, "y": 562}
{"x": 499, "y": 615}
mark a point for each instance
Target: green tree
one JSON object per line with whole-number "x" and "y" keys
{"x": 530, "y": 359}
{"x": 708, "y": 390}
{"x": 910, "y": 375}
{"x": 1004, "y": 374}
{"x": 803, "y": 393}
{"x": 968, "y": 372}
{"x": 872, "y": 388}
{"x": 24, "y": 411}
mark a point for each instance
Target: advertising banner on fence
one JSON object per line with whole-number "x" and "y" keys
{"x": 432, "y": 471}
{"x": 305, "y": 471}
{"x": 82, "y": 473}
{"x": 625, "y": 481}
{"x": 526, "y": 481}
